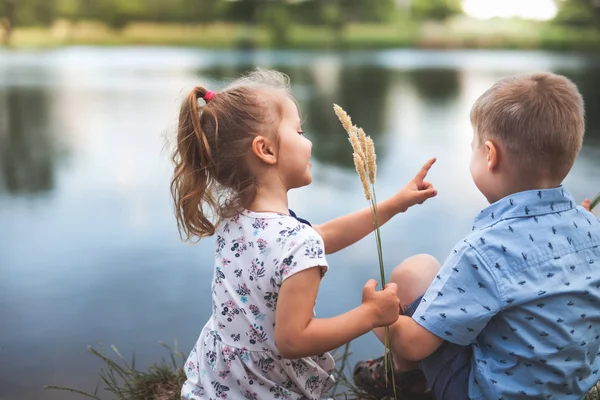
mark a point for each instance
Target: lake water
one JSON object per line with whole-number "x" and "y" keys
{"x": 89, "y": 248}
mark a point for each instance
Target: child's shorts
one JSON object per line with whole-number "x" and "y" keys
{"x": 447, "y": 369}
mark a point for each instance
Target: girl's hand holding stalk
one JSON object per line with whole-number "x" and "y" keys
{"x": 591, "y": 204}
{"x": 384, "y": 305}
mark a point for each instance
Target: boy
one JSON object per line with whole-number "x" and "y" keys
{"x": 514, "y": 312}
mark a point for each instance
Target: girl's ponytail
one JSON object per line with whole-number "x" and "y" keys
{"x": 193, "y": 182}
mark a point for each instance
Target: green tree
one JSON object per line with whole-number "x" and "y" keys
{"x": 276, "y": 16}
{"x": 118, "y": 13}
{"x": 29, "y": 152}
{"x": 337, "y": 14}
{"x": 8, "y": 19}
{"x": 245, "y": 11}
{"x": 366, "y": 11}
{"x": 180, "y": 11}
{"x": 438, "y": 10}
{"x": 199, "y": 11}
{"x": 594, "y": 5}
{"x": 73, "y": 10}
{"x": 35, "y": 12}
{"x": 578, "y": 13}
{"x": 15, "y": 13}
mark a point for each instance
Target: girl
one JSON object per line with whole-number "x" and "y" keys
{"x": 235, "y": 159}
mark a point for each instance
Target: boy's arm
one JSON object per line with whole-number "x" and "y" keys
{"x": 410, "y": 340}
{"x": 342, "y": 232}
{"x": 456, "y": 307}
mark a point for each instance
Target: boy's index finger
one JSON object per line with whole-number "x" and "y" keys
{"x": 425, "y": 169}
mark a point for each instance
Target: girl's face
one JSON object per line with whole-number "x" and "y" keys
{"x": 294, "y": 149}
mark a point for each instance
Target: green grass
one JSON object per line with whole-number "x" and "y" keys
{"x": 459, "y": 32}
{"x": 163, "y": 381}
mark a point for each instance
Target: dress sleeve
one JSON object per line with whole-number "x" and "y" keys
{"x": 303, "y": 251}
{"x": 462, "y": 298}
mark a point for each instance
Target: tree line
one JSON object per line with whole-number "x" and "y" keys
{"x": 276, "y": 15}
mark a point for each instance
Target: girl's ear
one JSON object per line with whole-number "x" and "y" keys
{"x": 492, "y": 155}
{"x": 264, "y": 149}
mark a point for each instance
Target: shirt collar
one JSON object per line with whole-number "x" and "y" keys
{"x": 531, "y": 203}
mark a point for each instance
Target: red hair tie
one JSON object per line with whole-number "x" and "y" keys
{"x": 208, "y": 96}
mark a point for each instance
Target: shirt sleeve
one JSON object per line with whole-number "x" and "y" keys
{"x": 303, "y": 251}
{"x": 462, "y": 298}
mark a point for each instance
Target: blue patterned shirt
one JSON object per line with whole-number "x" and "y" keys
{"x": 523, "y": 290}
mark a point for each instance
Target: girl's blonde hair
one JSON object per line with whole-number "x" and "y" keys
{"x": 212, "y": 178}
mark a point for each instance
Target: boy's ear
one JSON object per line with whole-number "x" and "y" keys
{"x": 264, "y": 149}
{"x": 491, "y": 151}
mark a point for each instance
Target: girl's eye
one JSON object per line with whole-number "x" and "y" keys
{"x": 300, "y": 132}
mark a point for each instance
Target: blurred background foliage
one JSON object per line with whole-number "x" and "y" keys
{"x": 289, "y": 23}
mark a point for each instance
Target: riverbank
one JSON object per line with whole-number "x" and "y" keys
{"x": 457, "y": 33}
{"x": 163, "y": 381}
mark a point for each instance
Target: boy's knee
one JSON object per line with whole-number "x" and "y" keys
{"x": 413, "y": 276}
{"x": 414, "y": 268}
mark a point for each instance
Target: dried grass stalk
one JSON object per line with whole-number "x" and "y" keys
{"x": 366, "y": 167}
{"x": 359, "y": 163}
{"x": 362, "y": 138}
{"x": 371, "y": 160}
{"x": 354, "y": 141}
{"x": 344, "y": 118}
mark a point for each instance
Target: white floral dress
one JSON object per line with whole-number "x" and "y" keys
{"x": 236, "y": 356}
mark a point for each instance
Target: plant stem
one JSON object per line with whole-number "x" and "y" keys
{"x": 378, "y": 237}
{"x": 373, "y": 204}
{"x": 595, "y": 202}
{"x": 343, "y": 366}
{"x": 387, "y": 351}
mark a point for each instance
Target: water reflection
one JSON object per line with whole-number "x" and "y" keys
{"x": 361, "y": 90}
{"x": 435, "y": 86}
{"x": 28, "y": 150}
{"x": 588, "y": 82}
{"x": 363, "y": 93}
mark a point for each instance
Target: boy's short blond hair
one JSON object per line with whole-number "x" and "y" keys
{"x": 539, "y": 118}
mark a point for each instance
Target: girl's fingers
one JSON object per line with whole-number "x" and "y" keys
{"x": 425, "y": 169}
{"x": 370, "y": 285}
{"x": 587, "y": 204}
{"x": 391, "y": 287}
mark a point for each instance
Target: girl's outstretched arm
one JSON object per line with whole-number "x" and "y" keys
{"x": 344, "y": 231}
{"x": 298, "y": 334}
